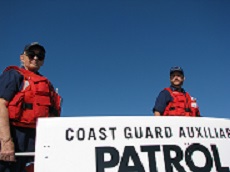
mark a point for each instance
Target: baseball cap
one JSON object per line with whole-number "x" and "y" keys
{"x": 176, "y": 69}
{"x": 34, "y": 44}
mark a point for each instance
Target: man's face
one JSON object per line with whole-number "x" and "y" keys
{"x": 33, "y": 59}
{"x": 177, "y": 79}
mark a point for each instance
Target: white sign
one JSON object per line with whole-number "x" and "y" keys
{"x": 132, "y": 144}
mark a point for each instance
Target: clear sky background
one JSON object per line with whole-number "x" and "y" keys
{"x": 112, "y": 57}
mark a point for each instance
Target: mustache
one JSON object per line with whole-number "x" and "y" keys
{"x": 176, "y": 80}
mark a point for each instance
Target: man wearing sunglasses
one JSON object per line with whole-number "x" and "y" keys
{"x": 174, "y": 101}
{"x": 25, "y": 95}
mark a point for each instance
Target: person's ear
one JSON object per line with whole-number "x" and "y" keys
{"x": 22, "y": 58}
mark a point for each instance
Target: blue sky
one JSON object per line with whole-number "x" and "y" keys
{"x": 112, "y": 57}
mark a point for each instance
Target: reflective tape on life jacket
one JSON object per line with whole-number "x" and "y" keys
{"x": 195, "y": 107}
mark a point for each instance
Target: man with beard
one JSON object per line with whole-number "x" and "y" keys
{"x": 174, "y": 101}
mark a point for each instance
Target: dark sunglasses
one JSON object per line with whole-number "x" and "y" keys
{"x": 32, "y": 54}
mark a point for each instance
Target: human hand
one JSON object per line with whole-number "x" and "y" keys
{"x": 7, "y": 152}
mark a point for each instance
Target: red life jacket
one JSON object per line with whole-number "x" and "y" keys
{"x": 180, "y": 105}
{"x": 37, "y": 99}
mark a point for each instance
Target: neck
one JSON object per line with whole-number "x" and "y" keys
{"x": 31, "y": 70}
{"x": 178, "y": 87}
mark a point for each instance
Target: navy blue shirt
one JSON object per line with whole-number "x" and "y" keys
{"x": 163, "y": 100}
{"x": 11, "y": 82}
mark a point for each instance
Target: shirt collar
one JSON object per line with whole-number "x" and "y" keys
{"x": 176, "y": 89}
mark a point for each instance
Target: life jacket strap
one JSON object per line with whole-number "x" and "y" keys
{"x": 27, "y": 106}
